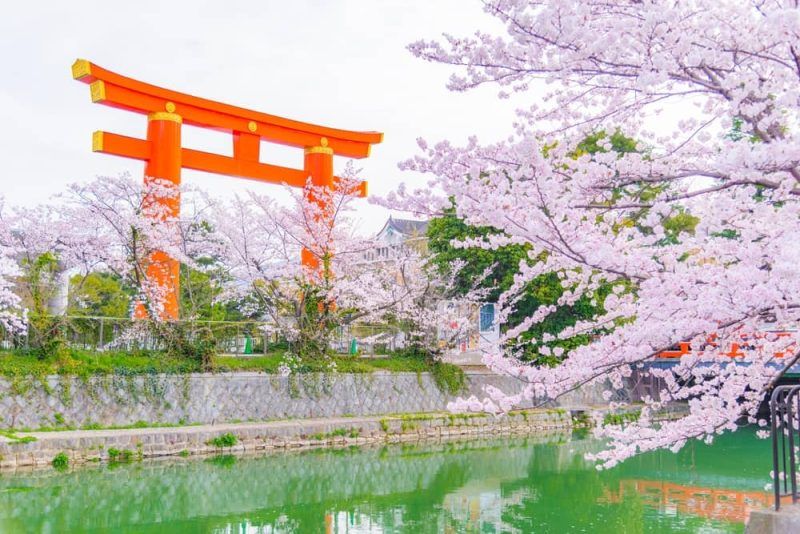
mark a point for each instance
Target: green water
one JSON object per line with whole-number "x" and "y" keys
{"x": 494, "y": 485}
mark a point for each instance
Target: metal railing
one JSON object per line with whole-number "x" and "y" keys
{"x": 232, "y": 337}
{"x": 111, "y": 333}
{"x": 784, "y": 407}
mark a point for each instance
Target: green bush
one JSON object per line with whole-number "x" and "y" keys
{"x": 60, "y": 461}
{"x": 116, "y": 455}
{"x": 188, "y": 342}
{"x": 223, "y": 440}
{"x": 621, "y": 418}
{"x": 449, "y": 378}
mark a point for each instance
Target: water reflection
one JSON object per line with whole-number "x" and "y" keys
{"x": 511, "y": 485}
{"x": 723, "y": 504}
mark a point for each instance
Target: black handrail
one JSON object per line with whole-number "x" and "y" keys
{"x": 784, "y": 407}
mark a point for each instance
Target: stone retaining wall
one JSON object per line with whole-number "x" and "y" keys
{"x": 115, "y": 400}
{"x": 95, "y": 445}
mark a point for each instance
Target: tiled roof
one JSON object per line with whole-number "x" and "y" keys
{"x": 407, "y": 227}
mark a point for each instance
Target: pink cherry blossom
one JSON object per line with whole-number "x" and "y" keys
{"x": 710, "y": 91}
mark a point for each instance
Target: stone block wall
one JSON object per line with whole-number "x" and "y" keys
{"x": 105, "y": 401}
{"x": 87, "y": 446}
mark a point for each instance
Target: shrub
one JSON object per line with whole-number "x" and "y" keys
{"x": 60, "y": 461}
{"x": 448, "y": 378}
{"x": 223, "y": 440}
{"x": 116, "y": 455}
{"x": 621, "y": 418}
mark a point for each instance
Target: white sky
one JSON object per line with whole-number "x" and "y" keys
{"x": 337, "y": 63}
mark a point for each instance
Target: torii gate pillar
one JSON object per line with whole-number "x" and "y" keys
{"x": 318, "y": 163}
{"x": 164, "y": 135}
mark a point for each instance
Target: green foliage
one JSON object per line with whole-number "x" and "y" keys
{"x": 14, "y": 439}
{"x": 98, "y": 295}
{"x": 60, "y": 461}
{"x": 223, "y": 460}
{"x": 337, "y": 433}
{"x": 503, "y": 263}
{"x": 188, "y": 342}
{"x": 619, "y": 144}
{"x": 116, "y": 455}
{"x": 26, "y": 370}
{"x": 98, "y": 426}
{"x": 39, "y": 283}
{"x": 448, "y": 378}
{"x": 316, "y": 320}
{"x": 621, "y": 418}
{"x": 737, "y": 133}
{"x": 199, "y": 292}
{"x": 674, "y": 226}
{"x": 581, "y": 420}
{"x": 22, "y": 364}
{"x": 223, "y": 440}
{"x": 407, "y": 426}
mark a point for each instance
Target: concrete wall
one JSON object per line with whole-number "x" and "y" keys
{"x": 785, "y": 521}
{"x": 219, "y": 398}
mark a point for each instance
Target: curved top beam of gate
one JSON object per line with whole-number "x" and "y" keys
{"x": 126, "y": 93}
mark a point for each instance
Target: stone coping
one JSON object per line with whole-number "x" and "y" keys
{"x": 95, "y": 445}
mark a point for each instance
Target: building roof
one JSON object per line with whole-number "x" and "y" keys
{"x": 405, "y": 227}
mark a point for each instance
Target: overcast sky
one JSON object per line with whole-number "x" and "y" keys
{"x": 336, "y": 63}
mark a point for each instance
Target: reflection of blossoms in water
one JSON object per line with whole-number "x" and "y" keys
{"x": 497, "y": 485}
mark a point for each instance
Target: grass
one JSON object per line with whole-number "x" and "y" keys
{"x": 98, "y": 426}
{"x": 14, "y": 439}
{"x": 344, "y": 364}
{"x": 339, "y": 432}
{"x": 18, "y": 363}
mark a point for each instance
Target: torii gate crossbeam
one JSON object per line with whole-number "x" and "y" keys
{"x": 164, "y": 156}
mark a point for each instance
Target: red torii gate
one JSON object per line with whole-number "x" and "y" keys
{"x": 164, "y": 157}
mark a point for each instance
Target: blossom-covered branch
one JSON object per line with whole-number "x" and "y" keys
{"x": 694, "y": 227}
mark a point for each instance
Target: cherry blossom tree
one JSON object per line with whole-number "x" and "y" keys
{"x": 310, "y": 303}
{"x": 12, "y": 318}
{"x": 113, "y": 224}
{"x": 710, "y": 91}
{"x": 33, "y": 237}
{"x": 12, "y": 314}
{"x": 109, "y": 224}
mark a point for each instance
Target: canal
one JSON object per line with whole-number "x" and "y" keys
{"x": 525, "y": 485}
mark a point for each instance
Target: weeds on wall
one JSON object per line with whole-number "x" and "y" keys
{"x": 222, "y": 441}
